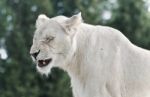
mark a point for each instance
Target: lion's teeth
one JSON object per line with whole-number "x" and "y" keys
{"x": 44, "y": 62}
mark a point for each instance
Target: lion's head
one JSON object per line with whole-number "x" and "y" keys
{"x": 54, "y": 41}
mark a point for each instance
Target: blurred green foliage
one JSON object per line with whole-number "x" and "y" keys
{"x": 18, "y": 76}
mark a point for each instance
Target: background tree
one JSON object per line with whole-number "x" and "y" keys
{"x": 18, "y": 76}
{"x": 132, "y": 19}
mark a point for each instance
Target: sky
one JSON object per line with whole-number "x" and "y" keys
{"x": 147, "y": 4}
{"x": 3, "y": 53}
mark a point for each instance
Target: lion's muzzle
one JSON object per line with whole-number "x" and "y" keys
{"x": 35, "y": 54}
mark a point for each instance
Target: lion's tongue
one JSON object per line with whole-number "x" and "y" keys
{"x": 42, "y": 63}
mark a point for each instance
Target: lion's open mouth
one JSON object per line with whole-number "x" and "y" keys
{"x": 42, "y": 63}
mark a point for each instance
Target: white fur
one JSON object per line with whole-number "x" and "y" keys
{"x": 100, "y": 60}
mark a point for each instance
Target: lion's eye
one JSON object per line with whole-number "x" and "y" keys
{"x": 48, "y": 39}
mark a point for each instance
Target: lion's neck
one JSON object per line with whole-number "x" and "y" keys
{"x": 77, "y": 66}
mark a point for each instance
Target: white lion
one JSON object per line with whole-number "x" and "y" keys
{"x": 100, "y": 60}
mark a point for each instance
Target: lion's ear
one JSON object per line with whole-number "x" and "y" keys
{"x": 73, "y": 21}
{"x": 42, "y": 18}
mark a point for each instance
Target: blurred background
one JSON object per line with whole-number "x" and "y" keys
{"x": 18, "y": 75}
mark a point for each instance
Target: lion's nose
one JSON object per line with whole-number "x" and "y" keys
{"x": 35, "y": 54}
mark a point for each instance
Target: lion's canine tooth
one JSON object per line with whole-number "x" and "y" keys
{"x": 44, "y": 62}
